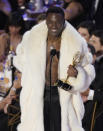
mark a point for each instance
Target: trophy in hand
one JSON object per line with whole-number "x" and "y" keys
{"x": 64, "y": 84}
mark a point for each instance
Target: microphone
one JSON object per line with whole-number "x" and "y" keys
{"x": 53, "y": 51}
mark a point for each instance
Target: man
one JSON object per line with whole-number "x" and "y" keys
{"x": 97, "y": 41}
{"x": 34, "y": 59}
{"x": 85, "y": 28}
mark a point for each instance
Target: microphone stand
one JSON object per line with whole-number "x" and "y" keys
{"x": 52, "y": 54}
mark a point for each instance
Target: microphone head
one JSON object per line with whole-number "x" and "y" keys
{"x": 51, "y": 47}
{"x": 53, "y": 51}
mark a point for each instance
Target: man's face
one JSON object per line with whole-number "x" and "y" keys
{"x": 95, "y": 41}
{"x": 55, "y": 24}
{"x": 84, "y": 32}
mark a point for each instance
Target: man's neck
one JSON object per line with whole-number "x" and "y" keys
{"x": 53, "y": 38}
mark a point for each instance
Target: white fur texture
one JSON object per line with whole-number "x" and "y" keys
{"x": 31, "y": 60}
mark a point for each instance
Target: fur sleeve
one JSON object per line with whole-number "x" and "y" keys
{"x": 86, "y": 72}
{"x": 19, "y": 59}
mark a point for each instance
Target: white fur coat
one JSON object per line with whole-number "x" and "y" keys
{"x": 31, "y": 61}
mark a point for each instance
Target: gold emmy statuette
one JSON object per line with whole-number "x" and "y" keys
{"x": 65, "y": 84}
{"x": 76, "y": 61}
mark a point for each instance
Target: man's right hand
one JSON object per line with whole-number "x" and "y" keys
{"x": 72, "y": 71}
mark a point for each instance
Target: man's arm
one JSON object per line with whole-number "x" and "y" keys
{"x": 85, "y": 72}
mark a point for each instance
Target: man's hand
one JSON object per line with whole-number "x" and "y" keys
{"x": 86, "y": 93}
{"x": 72, "y": 71}
{"x": 84, "y": 98}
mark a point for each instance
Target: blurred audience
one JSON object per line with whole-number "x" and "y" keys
{"x": 94, "y": 95}
{"x": 9, "y": 77}
{"x": 10, "y": 80}
{"x": 77, "y": 10}
{"x": 26, "y": 9}
{"x": 5, "y": 78}
{"x": 5, "y": 7}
